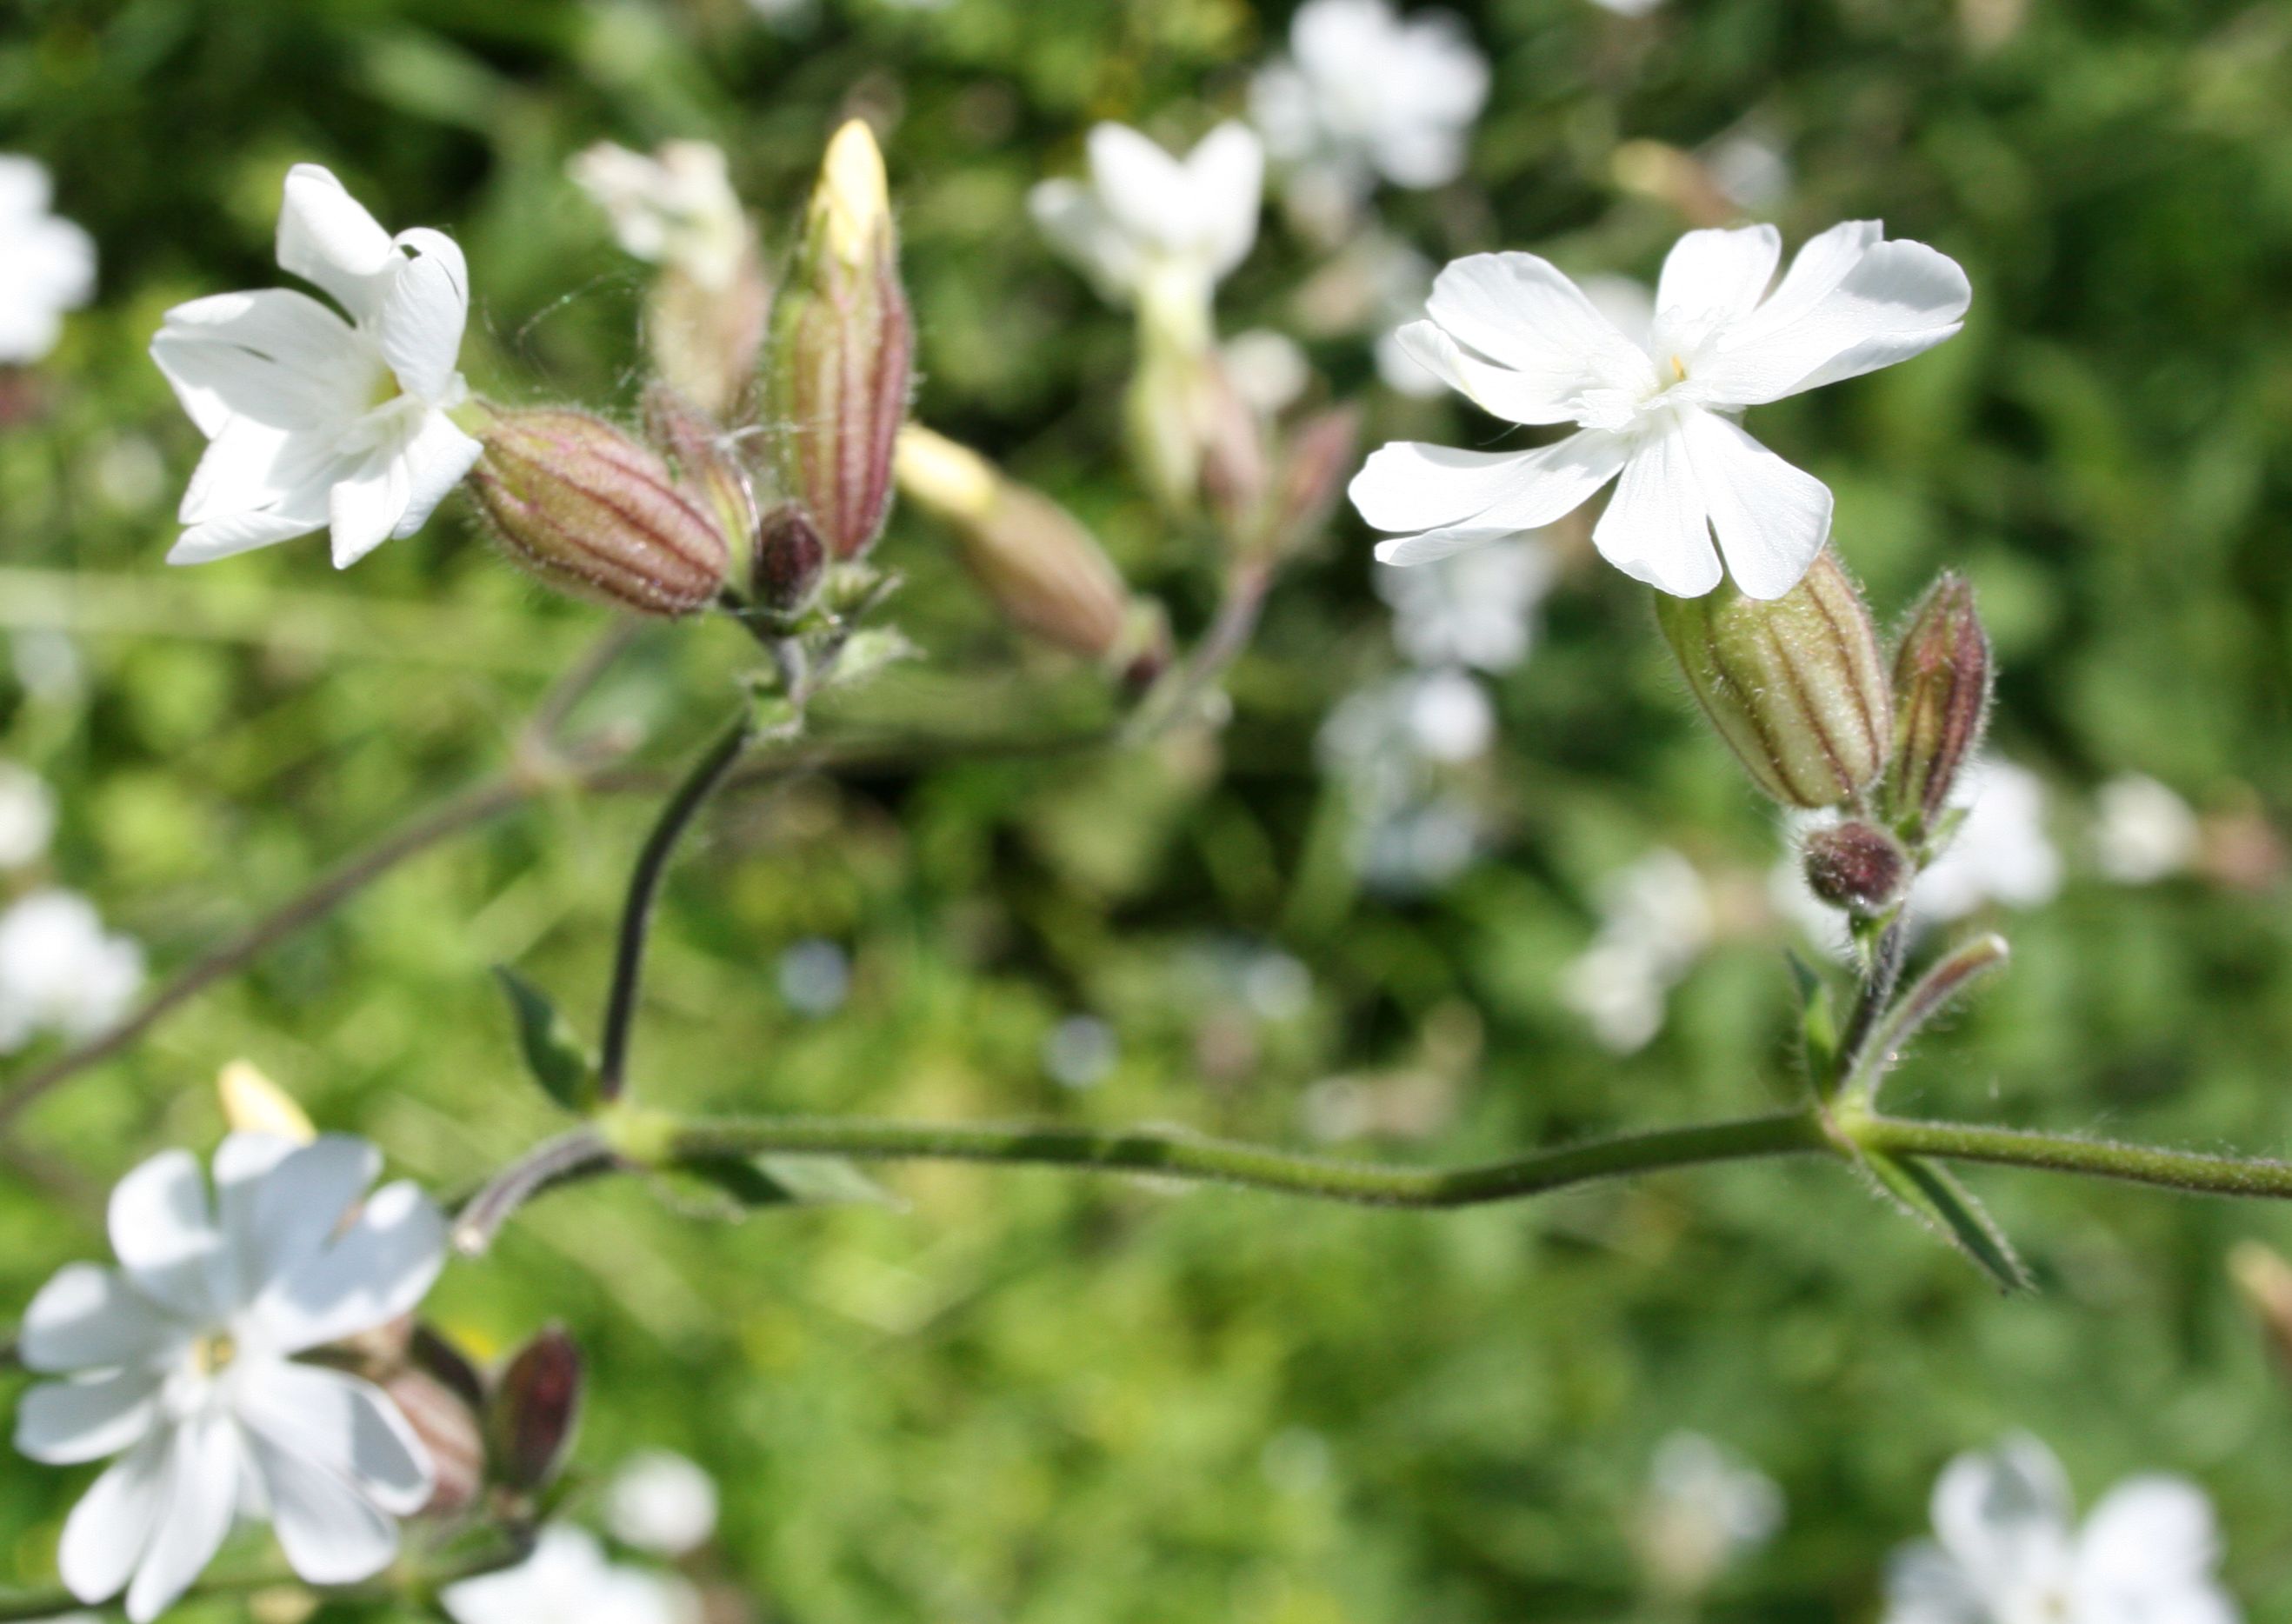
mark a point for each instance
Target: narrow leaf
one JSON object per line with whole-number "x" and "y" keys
{"x": 740, "y": 1184}
{"x": 553, "y": 1052}
{"x": 1935, "y": 1199}
{"x": 1818, "y": 1023}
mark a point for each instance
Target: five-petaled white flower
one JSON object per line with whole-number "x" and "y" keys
{"x": 1521, "y": 339}
{"x": 2007, "y": 1552}
{"x": 317, "y": 421}
{"x": 47, "y": 264}
{"x": 1153, "y": 230}
{"x": 1364, "y": 93}
{"x": 184, "y": 1359}
{"x": 569, "y": 1580}
{"x": 677, "y": 209}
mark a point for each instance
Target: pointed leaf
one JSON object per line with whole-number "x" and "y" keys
{"x": 1818, "y": 1023}
{"x": 553, "y": 1052}
{"x": 735, "y": 1186}
{"x": 1934, "y": 1198}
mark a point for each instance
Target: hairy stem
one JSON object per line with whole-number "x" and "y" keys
{"x": 675, "y": 817}
{"x": 2194, "y": 1171}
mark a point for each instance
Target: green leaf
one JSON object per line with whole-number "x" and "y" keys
{"x": 1817, "y": 1022}
{"x": 560, "y": 1062}
{"x": 868, "y": 653}
{"x": 1935, "y": 1199}
{"x": 732, "y": 1187}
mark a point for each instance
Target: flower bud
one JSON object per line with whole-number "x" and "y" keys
{"x": 1856, "y": 866}
{"x": 842, "y": 347}
{"x": 1044, "y": 570}
{"x": 589, "y": 510}
{"x": 2264, "y": 1280}
{"x": 1322, "y": 453}
{"x": 1796, "y": 686}
{"x": 1942, "y": 676}
{"x": 790, "y": 559}
{"x": 703, "y": 463}
{"x": 705, "y": 338}
{"x": 530, "y": 1423}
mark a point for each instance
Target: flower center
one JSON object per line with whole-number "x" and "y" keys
{"x": 212, "y": 1355}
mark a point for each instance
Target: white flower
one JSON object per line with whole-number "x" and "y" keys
{"x": 1394, "y": 746}
{"x": 28, "y": 816}
{"x": 1153, "y": 230}
{"x": 1750, "y": 168}
{"x": 2006, "y": 1551}
{"x": 1655, "y": 921}
{"x": 1266, "y": 369}
{"x": 1474, "y": 608}
{"x": 2000, "y": 853}
{"x": 2142, "y": 832}
{"x": 568, "y": 1580}
{"x": 677, "y": 209}
{"x": 1705, "y": 1506}
{"x": 47, "y": 264}
{"x": 661, "y": 1502}
{"x": 1520, "y": 339}
{"x": 1628, "y": 8}
{"x": 61, "y": 971}
{"x": 317, "y": 421}
{"x": 182, "y": 1363}
{"x": 1364, "y": 93}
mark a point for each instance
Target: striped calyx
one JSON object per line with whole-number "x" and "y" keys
{"x": 1942, "y": 678}
{"x": 592, "y": 511}
{"x": 1795, "y": 685}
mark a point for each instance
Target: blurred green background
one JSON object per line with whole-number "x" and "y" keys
{"x": 1040, "y": 1398}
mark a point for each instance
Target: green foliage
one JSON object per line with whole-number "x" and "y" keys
{"x": 553, "y": 1052}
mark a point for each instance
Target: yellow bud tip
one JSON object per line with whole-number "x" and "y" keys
{"x": 252, "y": 1104}
{"x": 853, "y": 201}
{"x": 952, "y": 480}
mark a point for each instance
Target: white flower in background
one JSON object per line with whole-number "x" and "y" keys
{"x": 1156, "y": 231}
{"x": 1472, "y": 608}
{"x": 2142, "y": 832}
{"x": 28, "y": 816}
{"x": 319, "y": 423}
{"x": 661, "y": 1502}
{"x": 2001, "y": 852}
{"x": 2007, "y": 1551}
{"x": 815, "y": 976}
{"x": 1365, "y": 93}
{"x": 675, "y": 208}
{"x": 1655, "y": 921}
{"x": 1750, "y": 169}
{"x": 1080, "y": 1051}
{"x": 1521, "y": 339}
{"x": 1628, "y": 8}
{"x": 47, "y": 264}
{"x": 61, "y": 971}
{"x": 183, "y": 1362}
{"x": 1705, "y": 1507}
{"x": 1394, "y": 747}
{"x": 1266, "y": 369}
{"x": 568, "y": 1580}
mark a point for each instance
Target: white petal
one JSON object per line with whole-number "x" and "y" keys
{"x": 64, "y": 1423}
{"x": 326, "y": 236}
{"x": 1520, "y": 312}
{"x": 251, "y": 467}
{"x": 276, "y": 356}
{"x": 280, "y": 1203}
{"x": 1924, "y": 1587}
{"x": 366, "y": 502}
{"x": 1494, "y": 389}
{"x": 2004, "y": 1515}
{"x": 436, "y": 458}
{"x": 1720, "y": 273}
{"x": 108, "y": 1532}
{"x": 162, "y": 1232}
{"x": 1077, "y": 225}
{"x": 379, "y": 1270}
{"x": 1227, "y": 173}
{"x": 330, "y": 1534}
{"x": 1898, "y": 300}
{"x": 346, "y": 1426}
{"x": 1820, "y": 264}
{"x": 2150, "y": 1535}
{"x": 196, "y": 1503}
{"x": 1772, "y": 519}
{"x": 87, "y": 1318}
{"x": 1409, "y": 485}
{"x": 1145, "y": 191}
{"x": 226, "y": 537}
{"x": 420, "y": 323}
{"x": 1655, "y": 529}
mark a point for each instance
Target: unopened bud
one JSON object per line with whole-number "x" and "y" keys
{"x": 1856, "y": 866}
{"x": 2264, "y": 1280}
{"x": 589, "y": 509}
{"x": 1321, "y": 455}
{"x": 1044, "y": 570}
{"x": 1794, "y": 685}
{"x": 790, "y": 559}
{"x": 843, "y": 350}
{"x": 705, "y": 464}
{"x": 252, "y": 1104}
{"x": 450, "y": 1435}
{"x": 1942, "y": 677}
{"x": 530, "y": 1423}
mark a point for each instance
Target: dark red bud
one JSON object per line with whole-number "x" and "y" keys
{"x": 1857, "y": 865}
{"x": 530, "y": 1425}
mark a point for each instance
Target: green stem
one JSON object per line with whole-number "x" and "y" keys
{"x": 2190, "y": 1170}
